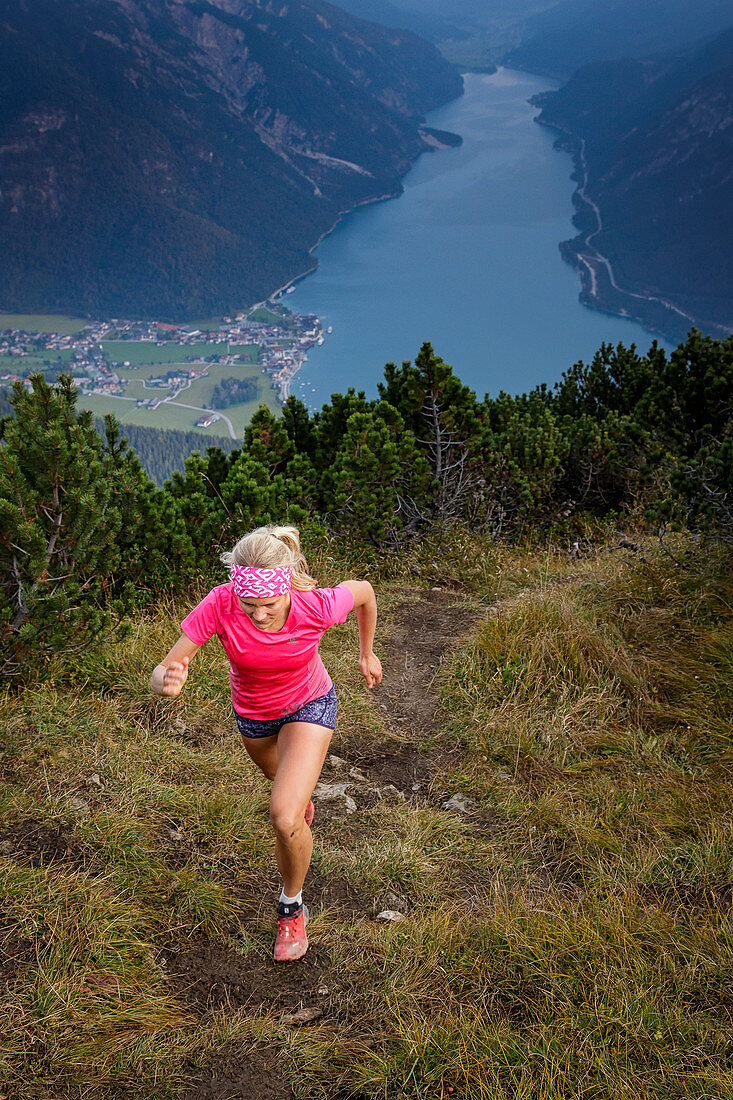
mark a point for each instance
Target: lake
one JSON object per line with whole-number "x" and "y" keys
{"x": 466, "y": 258}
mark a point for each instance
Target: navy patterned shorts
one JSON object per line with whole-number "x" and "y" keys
{"x": 321, "y": 712}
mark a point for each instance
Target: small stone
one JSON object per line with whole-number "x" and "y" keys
{"x": 303, "y": 1015}
{"x": 358, "y": 774}
{"x": 94, "y": 780}
{"x": 323, "y": 990}
{"x": 416, "y": 787}
{"x": 179, "y": 724}
{"x": 394, "y": 791}
{"x": 79, "y": 805}
{"x": 330, "y": 792}
{"x": 436, "y": 589}
{"x": 459, "y": 803}
{"x": 391, "y": 915}
{"x": 175, "y": 834}
{"x": 336, "y": 761}
{"x": 334, "y": 792}
{"x": 392, "y": 901}
{"x": 503, "y": 775}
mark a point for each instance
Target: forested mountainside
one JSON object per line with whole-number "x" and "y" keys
{"x": 654, "y": 146}
{"x": 576, "y": 32}
{"x": 161, "y": 451}
{"x": 431, "y": 25}
{"x": 179, "y": 159}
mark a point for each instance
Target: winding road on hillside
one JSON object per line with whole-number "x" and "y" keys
{"x": 596, "y": 257}
{"x": 169, "y": 401}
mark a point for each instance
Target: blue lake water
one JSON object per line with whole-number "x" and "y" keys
{"x": 466, "y": 258}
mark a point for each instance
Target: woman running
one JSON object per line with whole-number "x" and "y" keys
{"x": 270, "y": 618}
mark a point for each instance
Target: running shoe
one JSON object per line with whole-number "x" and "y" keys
{"x": 310, "y": 812}
{"x": 291, "y": 942}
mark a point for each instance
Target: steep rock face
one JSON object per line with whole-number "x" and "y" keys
{"x": 657, "y": 145}
{"x": 179, "y": 158}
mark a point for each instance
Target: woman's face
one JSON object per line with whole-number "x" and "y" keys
{"x": 266, "y": 612}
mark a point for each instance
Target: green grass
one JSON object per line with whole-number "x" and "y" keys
{"x": 580, "y": 947}
{"x": 146, "y": 356}
{"x": 267, "y": 317}
{"x": 142, "y": 354}
{"x": 169, "y": 415}
{"x": 23, "y": 363}
{"x": 39, "y": 322}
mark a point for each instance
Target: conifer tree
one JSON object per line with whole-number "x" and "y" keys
{"x": 330, "y": 425}
{"x": 363, "y": 482}
{"x": 267, "y": 441}
{"x": 156, "y": 550}
{"x": 445, "y": 418}
{"x": 249, "y": 498}
{"x": 199, "y": 503}
{"x": 299, "y": 426}
{"x": 528, "y": 449}
{"x": 61, "y": 503}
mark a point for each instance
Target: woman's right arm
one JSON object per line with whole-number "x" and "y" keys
{"x": 170, "y": 675}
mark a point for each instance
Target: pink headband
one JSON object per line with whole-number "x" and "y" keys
{"x": 250, "y": 583}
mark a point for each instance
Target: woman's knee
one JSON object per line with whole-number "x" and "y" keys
{"x": 287, "y": 821}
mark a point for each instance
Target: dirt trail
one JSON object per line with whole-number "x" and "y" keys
{"x": 207, "y": 974}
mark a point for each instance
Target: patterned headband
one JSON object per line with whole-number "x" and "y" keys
{"x": 250, "y": 583}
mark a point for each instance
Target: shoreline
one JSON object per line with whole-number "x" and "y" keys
{"x": 342, "y": 214}
{"x": 599, "y": 288}
{"x": 431, "y": 146}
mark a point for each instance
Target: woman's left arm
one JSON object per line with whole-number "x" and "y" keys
{"x": 365, "y": 605}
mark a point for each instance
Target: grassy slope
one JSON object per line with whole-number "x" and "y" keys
{"x": 571, "y": 937}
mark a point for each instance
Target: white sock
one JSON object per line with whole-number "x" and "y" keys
{"x": 285, "y": 900}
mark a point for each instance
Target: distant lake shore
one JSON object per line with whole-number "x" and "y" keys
{"x": 468, "y": 257}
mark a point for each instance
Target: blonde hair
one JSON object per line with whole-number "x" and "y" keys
{"x": 270, "y": 547}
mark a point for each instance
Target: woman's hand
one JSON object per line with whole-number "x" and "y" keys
{"x": 371, "y": 669}
{"x": 175, "y": 676}
{"x": 169, "y": 679}
{"x": 171, "y": 674}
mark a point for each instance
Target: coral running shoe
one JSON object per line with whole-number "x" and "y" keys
{"x": 291, "y": 942}
{"x": 310, "y": 813}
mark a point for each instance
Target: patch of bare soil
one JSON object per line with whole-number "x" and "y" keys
{"x": 233, "y": 1076}
{"x": 692, "y": 899}
{"x": 426, "y": 631}
{"x": 16, "y": 952}
{"x": 36, "y": 843}
{"x": 209, "y": 974}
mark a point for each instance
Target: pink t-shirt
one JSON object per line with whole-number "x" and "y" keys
{"x": 272, "y": 673}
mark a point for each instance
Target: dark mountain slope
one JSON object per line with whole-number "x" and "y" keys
{"x": 180, "y": 159}
{"x": 578, "y": 32}
{"x": 654, "y": 142}
{"x": 387, "y": 14}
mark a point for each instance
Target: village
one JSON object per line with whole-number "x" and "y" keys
{"x": 267, "y": 335}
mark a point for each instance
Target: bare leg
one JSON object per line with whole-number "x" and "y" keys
{"x": 301, "y": 749}
{"x": 263, "y": 750}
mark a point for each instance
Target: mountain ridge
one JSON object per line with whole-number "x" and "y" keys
{"x": 653, "y": 145}
{"x": 132, "y": 131}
